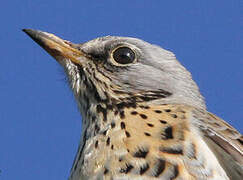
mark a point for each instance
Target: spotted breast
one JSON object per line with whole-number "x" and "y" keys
{"x": 143, "y": 117}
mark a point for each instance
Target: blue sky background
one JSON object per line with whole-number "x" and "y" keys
{"x": 39, "y": 122}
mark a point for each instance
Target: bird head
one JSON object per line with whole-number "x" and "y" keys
{"x": 121, "y": 70}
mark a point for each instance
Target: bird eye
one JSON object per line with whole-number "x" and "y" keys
{"x": 123, "y": 55}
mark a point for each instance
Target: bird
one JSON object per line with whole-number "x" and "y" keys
{"x": 143, "y": 116}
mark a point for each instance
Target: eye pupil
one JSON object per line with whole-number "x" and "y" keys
{"x": 123, "y": 55}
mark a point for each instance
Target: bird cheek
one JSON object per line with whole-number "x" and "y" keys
{"x": 82, "y": 60}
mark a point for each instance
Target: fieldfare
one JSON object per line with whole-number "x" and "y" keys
{"x": 143, "y": 117}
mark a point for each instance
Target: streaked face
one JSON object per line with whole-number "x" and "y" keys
{"x": 111, "y": 69}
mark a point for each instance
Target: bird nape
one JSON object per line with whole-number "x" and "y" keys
{"x": 143, "y": 116}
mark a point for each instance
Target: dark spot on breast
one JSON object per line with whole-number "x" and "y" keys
{"x": 144, "y": 107}
{"x": 143, "y": 168}
{"x": 122, "y": 114}
{"x": 159, "y": 168}
{"x": 108, "y": 141}
{"x": 143, "y": 116}
{"x": 106, "y": 171}
{"x": 96, "y": 144}
{"x": 127, "y": 169}
{"x": 128, "y": 104}
{"x": 167, "y": 110}
{"x": 121, "y": 105}
{"x": 172, "y": 150}
{"x": 120, "y": 159}
{"x": 150, "y": 125}
{"x": 123, "y": 126}
{"x": 167, "y": 133}
{"x": 99, "y": 109}
{"x": 174, "y": 115}
{"x": 112, "y": 146}
{"x": 162, "y": 121}
{"x": 147, "y": 134}
{"x": 104, "y": 132}
{"x": 93, "y": 119}
{"x": 134, "y": 112}
{"x": 158, "y": 111}
{"x": 116, "y": 112}
{"x": 141, "y": 153}
{"x": 113, "y": 124}
{"x": 127, "y": 134}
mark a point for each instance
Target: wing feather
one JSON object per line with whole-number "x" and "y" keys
{"x": 225, "y": 142}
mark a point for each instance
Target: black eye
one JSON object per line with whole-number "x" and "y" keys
{"x": 123, "y": 55}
